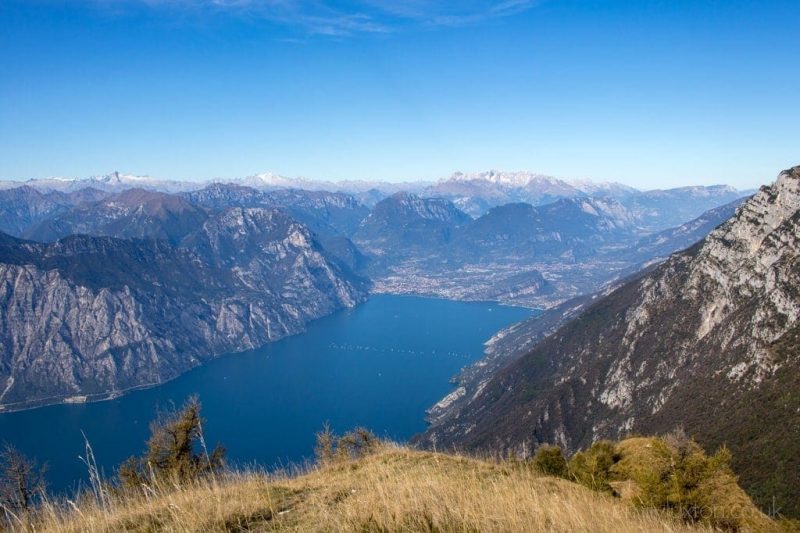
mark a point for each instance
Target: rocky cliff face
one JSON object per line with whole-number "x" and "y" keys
{"x": 707, "y": 341}
{"x": 90, "y": 317}
{"x": 269, "y": 251}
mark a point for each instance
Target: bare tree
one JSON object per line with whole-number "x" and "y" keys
{"x": 22, "y": 480}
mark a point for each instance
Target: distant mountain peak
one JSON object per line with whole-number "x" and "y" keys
{"x": 426, "y": 208}
{"x": 526, "y": 178}
{"x": 515, "y": 179}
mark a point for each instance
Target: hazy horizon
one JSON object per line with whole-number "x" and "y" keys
{"x": 377, "y": 179}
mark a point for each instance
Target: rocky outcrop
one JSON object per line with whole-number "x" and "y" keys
{"x": 91, "y": 317}
{"x": 707, "y": 341}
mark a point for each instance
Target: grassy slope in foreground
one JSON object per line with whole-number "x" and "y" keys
{"x": 394, "y": 489}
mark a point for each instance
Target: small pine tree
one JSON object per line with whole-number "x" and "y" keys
{"x": 326, "y": 441}
{"x": 175, "y": 450}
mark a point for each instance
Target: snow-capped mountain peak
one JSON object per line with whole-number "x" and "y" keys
{"x": 510, "y": 179}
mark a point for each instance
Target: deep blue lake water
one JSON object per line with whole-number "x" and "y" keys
{"x": 379, "y": 365}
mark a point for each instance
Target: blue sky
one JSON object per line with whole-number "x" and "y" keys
{"x": 650, "y": 93}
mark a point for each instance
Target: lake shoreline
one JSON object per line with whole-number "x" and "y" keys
{"x": 113, "y": 395}
{"x": 379, "y": 365}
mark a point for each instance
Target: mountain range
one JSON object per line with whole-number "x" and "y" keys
{"x": 120, "y": 281}
{"x": 473, "y": 193}
{"x": 517, "y": 253}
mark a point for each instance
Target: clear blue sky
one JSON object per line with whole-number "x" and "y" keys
{"x": 650, "y": 93}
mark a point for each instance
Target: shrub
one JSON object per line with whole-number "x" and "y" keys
{"x": 550, "y": 460}
{"x": 678, "y": 479}
{"x": 592, "y": 467}
{"x": 352, "y": 445}
{"x": 675, "y": 474}
{"x": 176, "y": 449}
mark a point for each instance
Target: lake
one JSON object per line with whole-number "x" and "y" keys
{"x": 379, "y": 365}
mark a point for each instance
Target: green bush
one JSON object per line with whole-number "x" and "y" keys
{"x": 675, "y": 474}
{"x": 672, "y": 474}
{"x": 550, "y": 460}
{"x": 592, "y": 467}
{"x": 679, "y": 477}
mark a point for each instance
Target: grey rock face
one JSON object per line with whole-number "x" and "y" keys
{"x": 91, "y": 317}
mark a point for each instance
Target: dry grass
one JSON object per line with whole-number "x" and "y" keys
{"x": 395, "y": 489}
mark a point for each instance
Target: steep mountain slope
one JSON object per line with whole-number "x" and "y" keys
{"x": 405, "y": 221}
{"x": 706, "y": 341}
{"x": 574, "y": 226}
{"x": 22, "y": 208}
{"x": 269, "y": 251}
{"x": 134, "y": 213}
{"x": 327, "y": 213}
{"x": 332, "y": 216}
{"x": 94, "y": 316}
{"x": 516, "y": 340}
